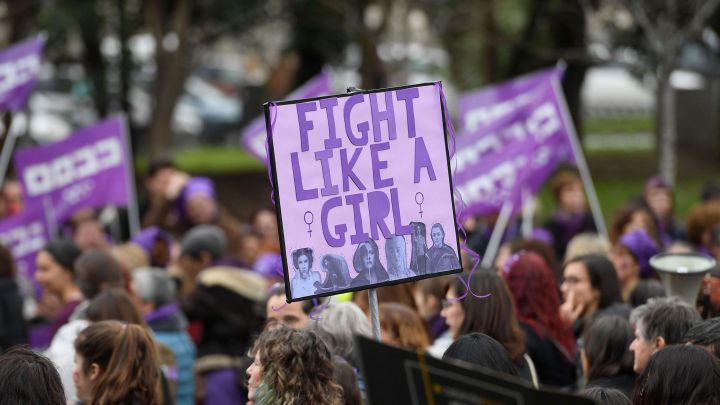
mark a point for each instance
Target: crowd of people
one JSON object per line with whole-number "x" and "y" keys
{"x": 192, "y": 310}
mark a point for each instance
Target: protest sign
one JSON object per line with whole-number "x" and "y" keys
{"x": 25, "y": 234}
{"x": 254, "y": 136}
{"x": 398, "y": 376}
{"x": 19, "y": 69}
{"x": 362, "y": 189}
{"x": 513, "y": 135}
{"x": 90, "y": 169}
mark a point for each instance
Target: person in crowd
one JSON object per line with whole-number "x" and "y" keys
{"x": 86, "y": 230}
{"x": 590, "y": 288}
{"x": 539, "y": 247}
{"x": 162, "y": 181}
{"x": 586, "y": 243}
{"x": 202, "y": 247}
{"x": 399, "y": 293}
{"x": 303, "y": 281}
{"x": 631, "y": 258}
{"x": 679, "y": 374}
{"x": 157, "y": 245}
{"x": 705, "y": 334}
{"x": 659, "y": 323}
{"x": 493, "y": 316}
{"x": 157, "y": 295}
{"x": 429, "y": 294}
{"x": 130, "y": 256}
{"x": 338, "y": 324}
{"x": 606, "y": 396}
{"x": 264, "y": 224}
{"x": 700, "y": 222}
{"x": 279, "y": 373}
{"x": 12, "y": 193}
{"x": 644, "y": 290}
{"x": 401, "y": 326}
{"x": 346, "y": 377}
{"x": 13, "y": 329}
{"x": 481, "y": 350}
{"x": 294, "y": 315}
{"x": 225, "y": 305}
{"x": 549, "y": 340}
{"x": 658, "y": 197}
{"x": 630, "y": 218}
{"x": 116, "y": 363}
{"x": 396, "y": 256}
{"x": 270, "y": 266}
{"x": 606, "y": 359}
{"x": 55, "y": 273}
{"x": 95, "y": 271}
{"x": 572, "y": 215}
{"x": 29, "y": 378}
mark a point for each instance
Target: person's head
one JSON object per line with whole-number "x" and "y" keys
{"x": 116, "y": 363}
{"x": 130, "y": 256}
{"x": 202, "y": 246}
{"x": 402, "y": 326}
{"x": 567, "y": 189}
{"x": 395, "y": 253}
{"x": 658, "y": 195}
{"x": 294, "y": 314}
{"x": 97, "y": 270}
{"x": 154, "y": 288}
{"x": 158, "y": 177}
{"x": 630, "y": 218}
{"x": 347, "y": 378}
{"x": 366, "y": 256}
{"x": 114, "y": 304}
{"x": 644, "y": 290}
{"x": 429, "y": 294}
{"x": 292, "y": 367}
{"x": 481, "y": 350}
{"x": 7, "y": 262}
{"x": 631, "y": 255}
{"x": 606, "y": 396}
{"x": 701, "y": 220}
{"x": 303, "y": 261}
{"x": 679, "y": 374}
{"x": 339, "y": 323}
{"x": 592, "y": 281}
{"x": 533, "y": 287}
{"x": 493, "y": 316}
{"x": 605, "y": 350}
{"x": 543, "y": 249}
{"x": 197, "y": 201}
{"x": 54, "y": 265}
{"x": 586, "y": 244}
{"x": 12, "y": 192}
{"x": 659, "y": 323}
{"x": 29, "y": 378}
{"x": 264, "y": 223}
{"x": 710, "y": 191}
{"x": 437, "y": 234}
{"x": 156, "y": 243}
{"x": 705, "y": 334}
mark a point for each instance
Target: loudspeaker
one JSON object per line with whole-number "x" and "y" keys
{"x": 682, "y": 273}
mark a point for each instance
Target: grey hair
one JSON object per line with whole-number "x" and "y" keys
{"x": 154, "y": 285}
{"x": 338, "y": 325}
{"x": 666, "y": 317}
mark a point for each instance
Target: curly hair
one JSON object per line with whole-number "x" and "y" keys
{"x": 537, "y": 302}
{"x": 297, "y": 369}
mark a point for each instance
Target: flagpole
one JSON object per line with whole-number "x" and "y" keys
{"x": 527, "y": 213}
{"x": 580, "y": 161}
{"x": 497, "y": 233}
{"x": 133, "y": 211}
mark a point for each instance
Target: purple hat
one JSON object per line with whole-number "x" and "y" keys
{"x": 269, "y": 265}
{"x": 642, "y": 247}
{"x": 147, "y": 238}
{"x": 543, "y": 235}
{"x": 657, "y": 182}
{"x": 196, "y": 186}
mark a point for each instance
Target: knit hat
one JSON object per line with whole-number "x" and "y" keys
{"x": 642, "y": 247}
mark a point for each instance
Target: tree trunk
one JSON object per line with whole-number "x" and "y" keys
{"x": 668, "y": 126}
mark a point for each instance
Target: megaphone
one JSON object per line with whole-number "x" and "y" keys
{"x": 682, "y": 273}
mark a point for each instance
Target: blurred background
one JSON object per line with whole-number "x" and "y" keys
{"x": 642, "y": 79}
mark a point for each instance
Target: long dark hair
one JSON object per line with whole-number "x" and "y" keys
{"x": 493, "y": 316}
{"x": 603, "y": 278}
{"x": 481, "y": 350}
{"x": 29, "y": 378}
{"x": 359, "y": 257}
{"x": 607, "y": 343}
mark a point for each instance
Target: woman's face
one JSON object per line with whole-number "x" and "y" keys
{"x": 369, "y": 259}
{"x": 626, "y": 266}
{"x": 572, "y": 197}
{"x": 84, "y": 383}
{"x": 254, "y": 374}
{"x": 303, "y": 264}
{"x": 639, "y": 220}
{"x": 576, "y": 285}
{"x": 660, "y": 201}
{"x": 51, "y": 276}
{"x": 453, "y": 313}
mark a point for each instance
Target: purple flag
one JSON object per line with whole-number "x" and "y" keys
{"x": 513, "y": 136}
{"x": 25, "y": 234}
{"x": 19, "y": 68}
{"x": 362, "y": 186}
{"x": 254, "y": 135}
{"x": 89, "y": 169}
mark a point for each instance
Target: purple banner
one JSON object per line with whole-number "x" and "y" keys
{"x": 25, "y": 234}
{"x": 363, "y": 188}
{"x": 513, "y": 137}
{"x": 89, "y": 169}
{"x": 19, "y": 69}
{"x": 254, "y": 135}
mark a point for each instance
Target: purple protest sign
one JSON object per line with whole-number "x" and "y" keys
{"x": 25, "y": 234}
{"x": 254, "y": 135}
{"x": 89, "y": 169}
{"x": 362, "y": 188}
{"x": 19, "y": 69}
{"x": 514, "y": 135}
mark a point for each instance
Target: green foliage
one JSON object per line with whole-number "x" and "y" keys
{"x": 210, "y": 160}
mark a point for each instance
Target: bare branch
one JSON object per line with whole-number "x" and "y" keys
{"x": 707, "y": 9}
{"x": 653, "y": 36}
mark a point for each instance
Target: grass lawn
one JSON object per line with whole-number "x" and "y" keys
{"x": 211, "y": 160}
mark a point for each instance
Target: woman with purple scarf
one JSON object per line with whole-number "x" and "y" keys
{"x": 631, "y": 258}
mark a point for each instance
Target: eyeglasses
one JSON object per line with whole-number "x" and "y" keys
{"x": 572, "y": 280}
{"x": 446, "y": 304}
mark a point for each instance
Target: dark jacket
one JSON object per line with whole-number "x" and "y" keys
{"x": 13, "y": 330}
{"x": 554, "y": 367}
